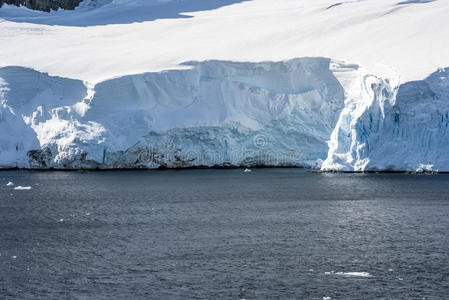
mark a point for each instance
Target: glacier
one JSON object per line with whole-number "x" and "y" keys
{"x": 216, "y": 113}
{"x": 334, "y": 86}
{"x": 307, "y": 112}
{"x": 387, "y": 126}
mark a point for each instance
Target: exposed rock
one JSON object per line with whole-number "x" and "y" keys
{"x": 40, "y": 159}
{"x": 44, "y": 5}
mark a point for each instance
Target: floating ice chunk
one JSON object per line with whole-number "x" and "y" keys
{"x": 354, "y": 274}
{"x": 424, "y": 168}
{"x": 87, "y": 214}
{"x": 247, "y": 170}
{"x": 22, "y": 188}
{"x": 61, "y": 220}
{"x": 14, "y": 257}
{"x": 349, "y": 274}
{"x": 327, "y": 298}
{"x": 11, "y": 184}
{"x": 390, "y": 270}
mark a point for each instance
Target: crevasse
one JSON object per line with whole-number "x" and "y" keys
{"x": 386, "y": 126}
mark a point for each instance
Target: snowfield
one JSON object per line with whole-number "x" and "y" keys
{"x": 337, "y": 86}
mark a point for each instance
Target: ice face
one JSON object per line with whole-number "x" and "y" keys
{"x": 395, "y": 128}
{"x": 216, "y": 113}
{"x": 299, "y": 112}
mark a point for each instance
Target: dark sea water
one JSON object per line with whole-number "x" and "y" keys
{"x": 224, "y": 234}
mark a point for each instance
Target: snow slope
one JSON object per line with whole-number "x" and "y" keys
{"x": 410, "y": 38}
{"x": 108, "y": 86}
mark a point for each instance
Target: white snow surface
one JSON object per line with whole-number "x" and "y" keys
{"x": 346, "y": 86}
{"x": 137, "y": 36}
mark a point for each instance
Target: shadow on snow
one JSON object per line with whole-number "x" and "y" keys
{"x": 113, "y": 13}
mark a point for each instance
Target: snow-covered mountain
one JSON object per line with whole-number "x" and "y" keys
{"x": 347, "y": 86}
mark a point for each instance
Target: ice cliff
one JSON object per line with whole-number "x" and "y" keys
{"x": 216, "y": 113}
{"x": 391, "y": 126}
{"x": 310, "y": 112}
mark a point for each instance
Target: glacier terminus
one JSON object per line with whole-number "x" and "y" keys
{"x": 188, "y": 91}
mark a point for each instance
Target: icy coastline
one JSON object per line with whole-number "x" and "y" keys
{"x": 306, "y": 112}
{"x": 354, "y": 86}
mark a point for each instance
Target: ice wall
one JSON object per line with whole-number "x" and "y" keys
{"x": 214, "y": 113}
{"x": 309, "y": 112}
{"x": 390, "y": 127}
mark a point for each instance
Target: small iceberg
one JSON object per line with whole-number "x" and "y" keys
{"x": 22, "y": 188}
{"x": 247, "y": 170}
{"x": 10, "y": 184}
{"x": 349, "y": 274}
{"x": 354, "y": 274}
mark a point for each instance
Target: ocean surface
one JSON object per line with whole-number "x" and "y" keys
{"x": 223, "y": 234}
